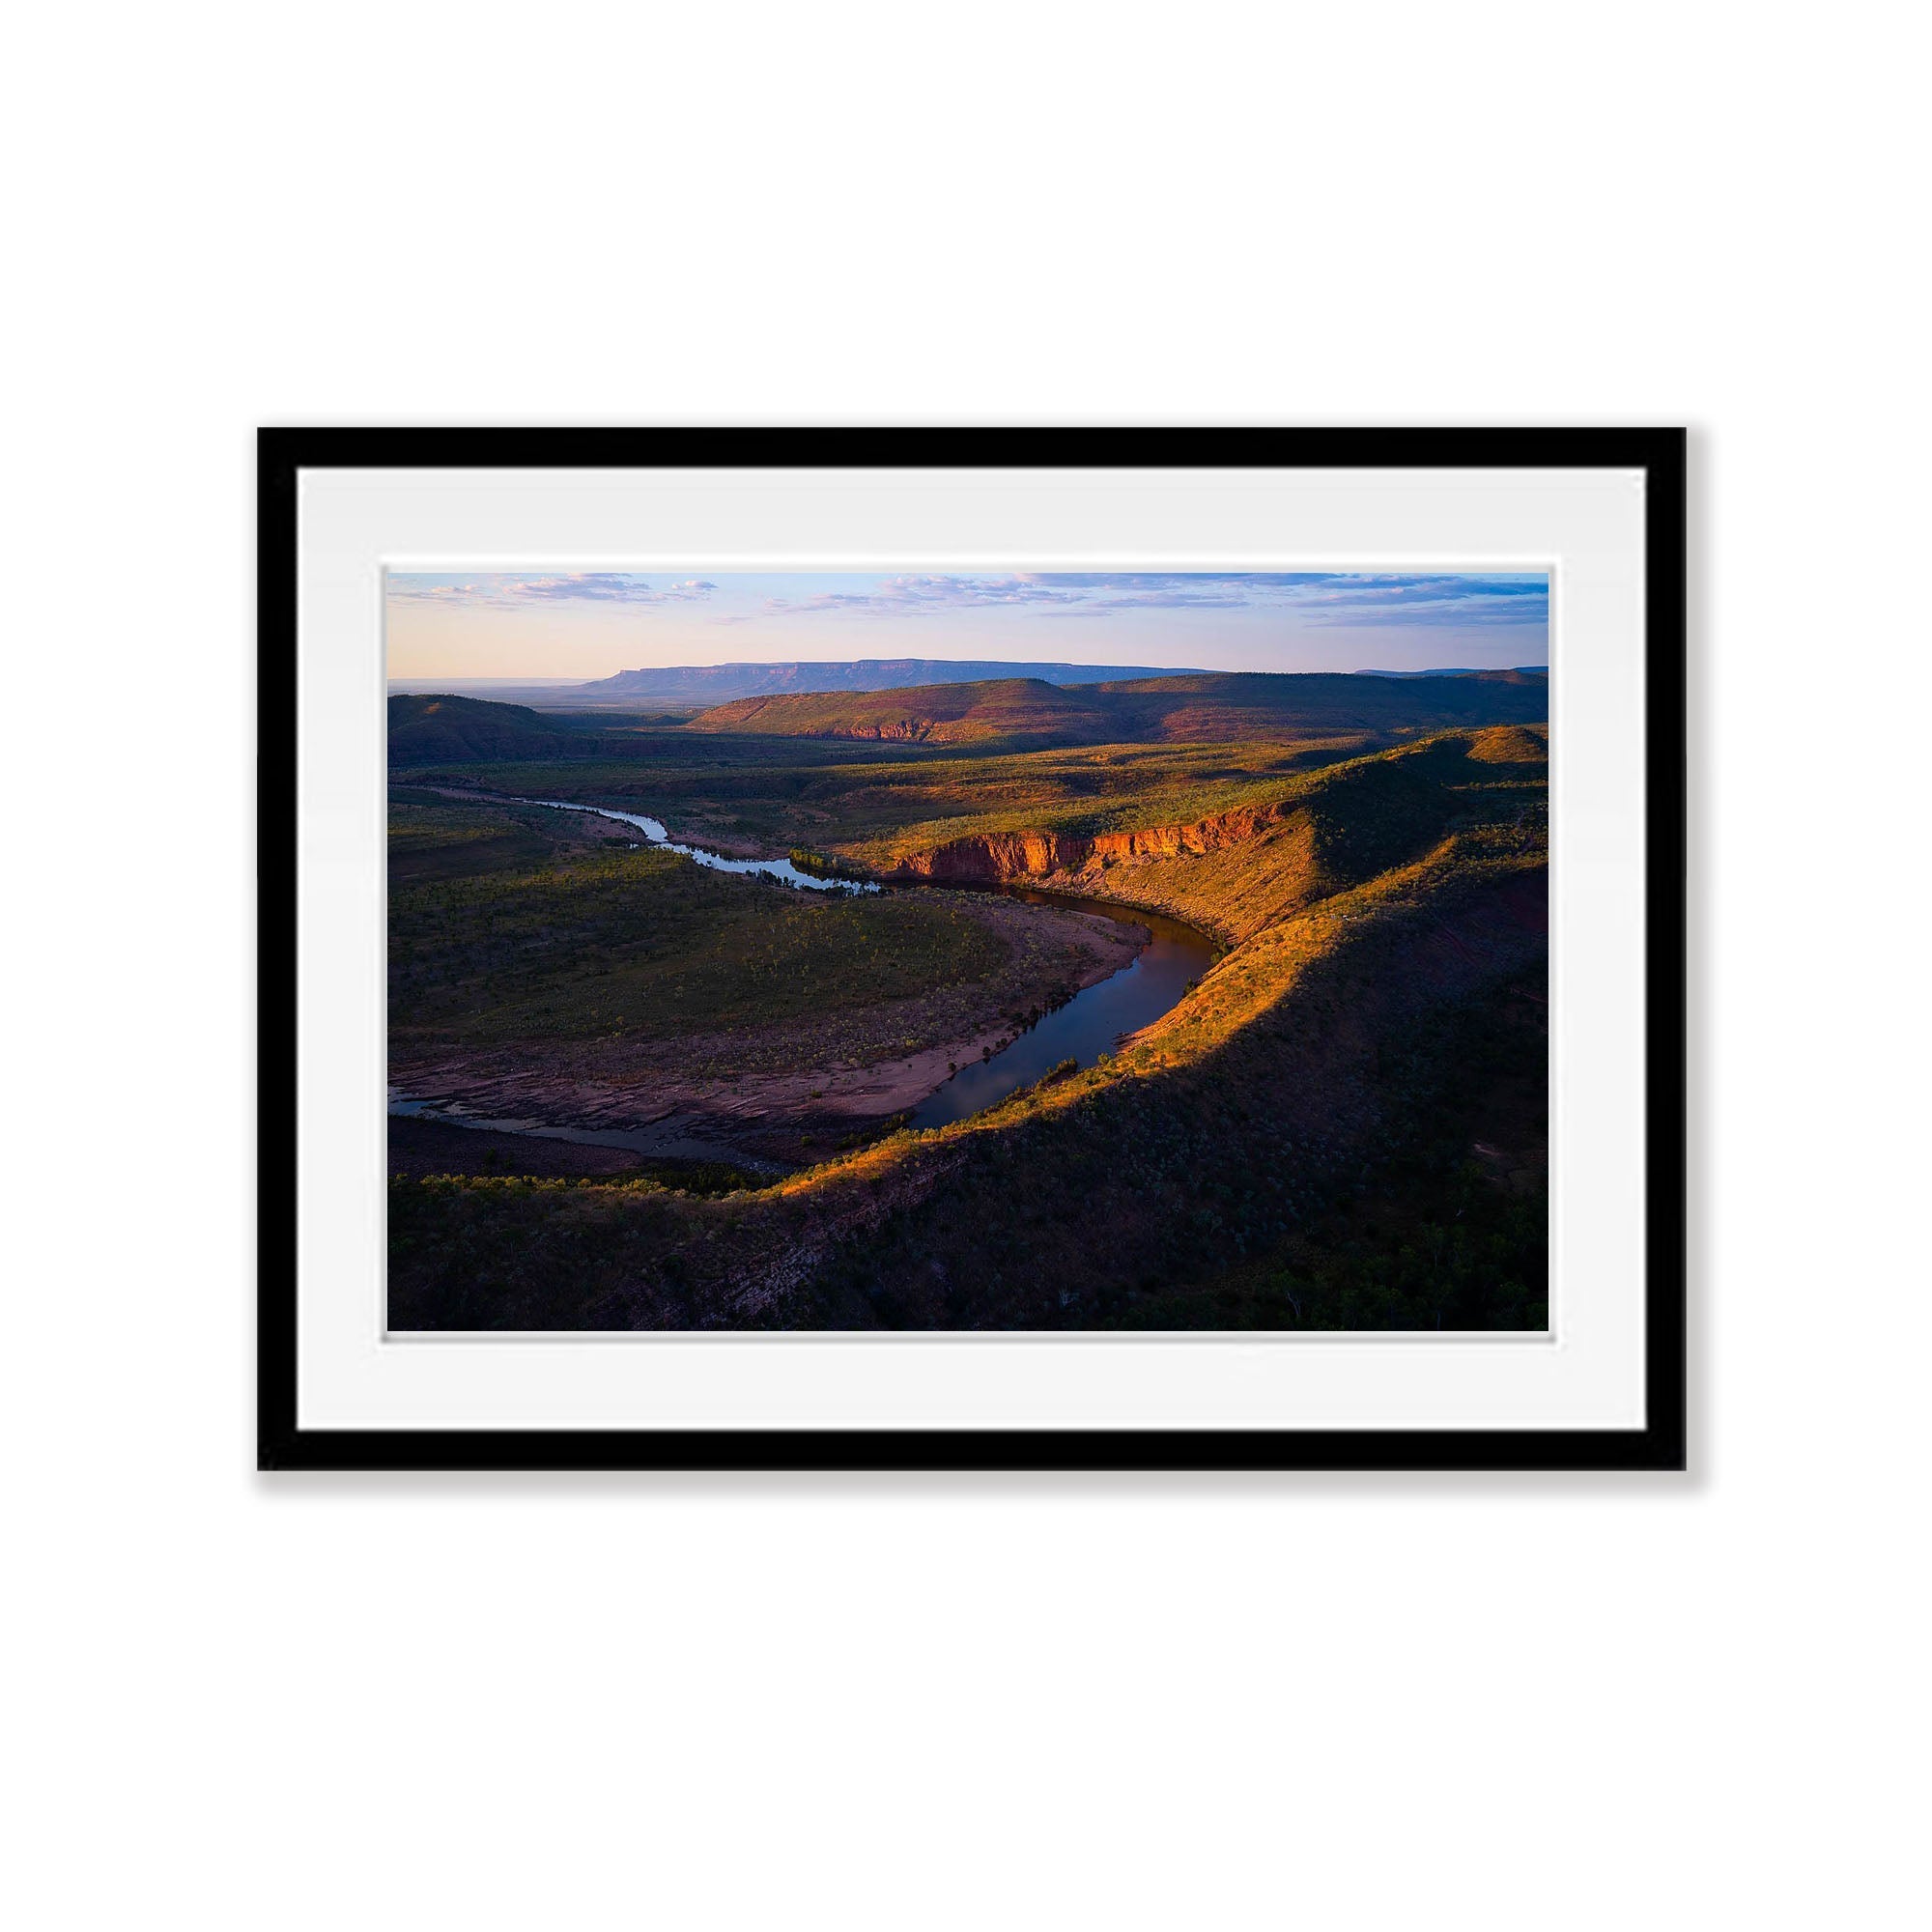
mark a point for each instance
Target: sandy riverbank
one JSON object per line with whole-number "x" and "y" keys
{"x": 779, "y": 1094}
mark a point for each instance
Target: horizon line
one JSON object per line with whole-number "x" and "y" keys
{"x": 1166, "y": 670}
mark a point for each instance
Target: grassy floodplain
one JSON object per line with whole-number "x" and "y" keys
{"x": 581, "y": 942}
{"x": 543, "y": 964}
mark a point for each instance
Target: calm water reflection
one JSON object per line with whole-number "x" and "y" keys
{"x": 1090, "y": 1023}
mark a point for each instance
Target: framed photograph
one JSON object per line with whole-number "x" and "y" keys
{"x": 972, "y": 949}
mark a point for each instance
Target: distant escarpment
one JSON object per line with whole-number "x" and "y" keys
{"x": 1212, "y": 707}
{"x": 728, "y": 683}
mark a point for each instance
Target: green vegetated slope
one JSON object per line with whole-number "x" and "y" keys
{"x": 1340, "y": 1126}
{"x": 1334, "y": 830}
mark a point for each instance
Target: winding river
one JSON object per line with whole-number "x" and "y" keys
{"x": 1090, "y": 1023}
{"x": 654, "y": 830}
{"x": 1085, "y": 1028}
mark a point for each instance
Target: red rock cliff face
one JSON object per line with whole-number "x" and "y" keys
{"x": 998, "y": 856}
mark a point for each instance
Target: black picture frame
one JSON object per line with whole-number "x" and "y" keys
{"x": 1660, "y": 1444}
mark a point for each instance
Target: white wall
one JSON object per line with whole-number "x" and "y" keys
{"x": 1332, "y": 1703}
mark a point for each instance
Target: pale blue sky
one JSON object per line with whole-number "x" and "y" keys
{"x": 592, "y": 623}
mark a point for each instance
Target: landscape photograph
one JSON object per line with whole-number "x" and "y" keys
{"x": 967, "y": 951}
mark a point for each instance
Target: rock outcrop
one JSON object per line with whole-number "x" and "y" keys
{"x": 1000, "y": 858}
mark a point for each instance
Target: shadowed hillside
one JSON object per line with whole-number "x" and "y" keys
{"x": 434, "y": 729}
{"x": 1244, "y": 704}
